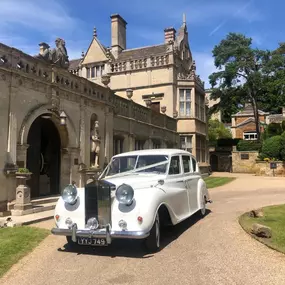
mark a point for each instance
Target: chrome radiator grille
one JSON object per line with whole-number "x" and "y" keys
{"x": 98, "y": 202}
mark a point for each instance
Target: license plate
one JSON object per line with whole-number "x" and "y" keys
{"x": 92, "y": 241}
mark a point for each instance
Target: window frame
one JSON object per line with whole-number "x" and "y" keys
{"x": 184, "y": 102}
{"x": 179, "y": 163}
{"x": 248, "y": 134}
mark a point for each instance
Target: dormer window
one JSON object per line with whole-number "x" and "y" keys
{"x": 95, "y": 71}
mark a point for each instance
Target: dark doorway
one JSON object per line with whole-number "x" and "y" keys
{"x": 155, "y": 106}
{"x": 43, "y": 158}
{"x": 214, "y": 160}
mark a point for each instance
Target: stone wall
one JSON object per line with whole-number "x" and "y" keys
{"x": 247, "y": 162}
{"x": 263, "y": 169}
{"x": 244, "y": 161}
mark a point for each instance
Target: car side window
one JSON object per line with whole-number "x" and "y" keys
{"x": 174, "y": 167}
{"x": 186, "y": 163}
{"x": 194, "y": 165}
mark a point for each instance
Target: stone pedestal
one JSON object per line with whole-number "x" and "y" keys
{"x": 82, "y": 175}
{"x": 23, "y": 205}
{"x": 92, "y": 174}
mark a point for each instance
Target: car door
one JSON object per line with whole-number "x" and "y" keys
{"x": 192, "y": 184}
{"x": 177, "y": 196}
{"x": 188, "y": 175}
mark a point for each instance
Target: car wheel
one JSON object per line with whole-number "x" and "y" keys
{"x": 203, "y": 207}
{"x": 153, "y": 240}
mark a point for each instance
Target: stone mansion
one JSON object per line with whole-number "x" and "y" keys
{"x": 161, "y": 77}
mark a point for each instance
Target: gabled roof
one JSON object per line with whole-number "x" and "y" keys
{"x": 248, "y": 121}
{"x": 142, "y": 52}
{"x": 247, "y": 111}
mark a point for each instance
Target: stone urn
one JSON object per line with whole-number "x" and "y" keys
{"x": 23, "y": 193}
{"x": 105, "y": 79}
{"x": 129, "y": 93}
{"x": 148, "y": 103}
{"x": 163, "y": 109}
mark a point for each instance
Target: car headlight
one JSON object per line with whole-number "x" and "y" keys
{"x": 125, "y": 194}
{"x": 69, "y": 194}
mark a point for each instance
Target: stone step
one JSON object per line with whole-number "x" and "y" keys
{"x": 28, "y": 219}
{"x": 44, "y": 200}
{"x": 37, "y": 208}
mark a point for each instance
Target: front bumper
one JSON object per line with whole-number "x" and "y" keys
{"x": 107, "y": 233}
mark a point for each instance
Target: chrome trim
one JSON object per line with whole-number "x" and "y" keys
{"x": 108, "y": 233}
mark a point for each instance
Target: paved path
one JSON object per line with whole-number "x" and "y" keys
{"x": 214, "y": 250}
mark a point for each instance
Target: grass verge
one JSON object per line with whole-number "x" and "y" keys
{"x": 274, "y": 217}
{"x": 16, "y": 242}
{"x": 213, "y": 182}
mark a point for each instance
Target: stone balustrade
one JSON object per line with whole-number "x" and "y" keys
{"x": 127, "y": 108}
{"x": 136, "y": 64}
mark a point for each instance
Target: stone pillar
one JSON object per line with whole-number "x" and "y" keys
{"x": 74, "y": 164}
{"x": 194, "y": 145}
{"x": 82, "y": 134}
{"x": 65, "y": 171}
{"x": 108, "y": 136}
{"x": 131, "y": 142}
{"x": 82, "y": 175}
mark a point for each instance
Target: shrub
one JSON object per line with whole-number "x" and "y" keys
{"x": 282, "y": 146}
{"x": 274, "y": 129}
{"x": 271, "y": 148}
{"x": 249, "y": 145}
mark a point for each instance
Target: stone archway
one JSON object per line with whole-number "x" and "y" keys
{"x": 44, "y": 157}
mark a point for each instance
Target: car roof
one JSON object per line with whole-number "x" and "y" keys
{"x": 159, "y": 151}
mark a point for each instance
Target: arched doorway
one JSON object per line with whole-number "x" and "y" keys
{"x": 43, "y": 157}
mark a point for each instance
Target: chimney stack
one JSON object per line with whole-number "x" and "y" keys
{"x": 169, "y": 35}
{"x": 118, "y": 34}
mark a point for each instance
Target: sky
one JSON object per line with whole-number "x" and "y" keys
{"x": 26, "y": 23}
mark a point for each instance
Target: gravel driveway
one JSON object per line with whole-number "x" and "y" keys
{"x": 214, "y": 250}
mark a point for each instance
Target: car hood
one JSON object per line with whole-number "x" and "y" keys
{"x": 136, "y": 180}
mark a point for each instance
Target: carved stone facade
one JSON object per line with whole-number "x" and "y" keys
{"x": 47, "y": 116}
{"x": 159, "y": 76}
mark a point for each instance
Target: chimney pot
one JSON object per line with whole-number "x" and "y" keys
{"x": 169, "y": 35}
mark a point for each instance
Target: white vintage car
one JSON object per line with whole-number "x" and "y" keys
{"x": 136, "y": 193}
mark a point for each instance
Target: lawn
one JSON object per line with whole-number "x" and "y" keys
{"x": 274, "y": 217}
{"x": 16, "y": 242}
{"x": 213, "y": 182}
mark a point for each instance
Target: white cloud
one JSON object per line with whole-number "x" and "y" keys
{"x": 35, "y": 14}
{"x": 205, "y": 66}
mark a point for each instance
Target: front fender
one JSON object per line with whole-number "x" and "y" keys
{"x": 146, "y": 204}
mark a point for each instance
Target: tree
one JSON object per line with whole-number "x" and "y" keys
{"x": 248, "y": 73}
{"x": 217, "y": 130}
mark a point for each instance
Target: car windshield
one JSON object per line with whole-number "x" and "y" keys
{"x": 137, "y": 163}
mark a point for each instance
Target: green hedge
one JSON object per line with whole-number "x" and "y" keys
{"x": 249, "y": 145}
{"x": 271, "y": 148}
